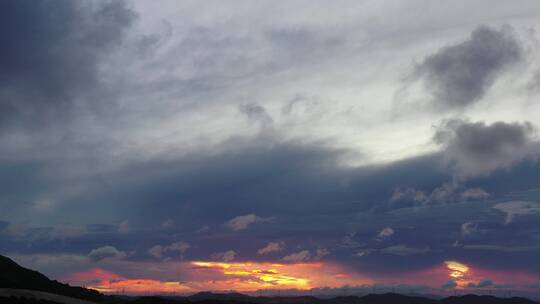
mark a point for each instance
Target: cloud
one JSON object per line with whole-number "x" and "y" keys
{"x": 167, "y": 224}
{"x": 517, "y": 208}
{"x": 478, "y": 149}
{"x": 403, "y": 250}
{"x": 469, "y": 228}
{"x": 364, "y": 252}
{"x": 158, "y": 251}
{"x": 320, "y": 253}
{"x": 226, "y": 256}
{"x": 43, "y": 234}
{"x": 350, "y": 241}
{"x": 449, "y": 285}
{"x": 475, "y": 194}
{"x": 442, "y": 194}
{"x": 271, "y": 247}
{"x": 106, "y": 252}
{"x": 300, "y": 256}
{"x": 408, "y": 195}
{"x": 459, "y": 75}
{"x": 482, "y": 284}
{"x": 203, "y": 229}
{"x": 243, "y": 221}
{"x": 257, "y": 114}
{"x": 385, "y": 233}
{"x": 533, "y": 286}
{"x": 123, "y": 227}
{"x": 503, "y": 248}
{"x": 316, "y": 198}
{"x": 449, "y": 192}
{"x": 180, "y": 247}
{"x": 52, "y": 52}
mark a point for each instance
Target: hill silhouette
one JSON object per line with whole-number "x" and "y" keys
{"x": 387, "y": 298}
{"x": 14, "y": 276}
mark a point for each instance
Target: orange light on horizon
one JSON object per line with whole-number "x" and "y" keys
{"x": 457, "y": 266}
{"x": 459, "y": 273}
{"x": 221, "y": 276}
{"x": 140, "y": 286}
{"x": 109, "y": 282}
{"x": 264, "y": 275}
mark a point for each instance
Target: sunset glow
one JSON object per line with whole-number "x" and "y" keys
{"x": 139, "y": 287}
{"x": 249, "y": 277}
{"x": 457, "y": 270}
{"x": 241, "y": 276}
{"x": 263, "y": 275}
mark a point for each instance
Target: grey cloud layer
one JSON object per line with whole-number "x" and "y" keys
{"x": 52, "y": 52}
{"x": 476, "y": 149}
{"x": 314, "y": 202}
{"x": 459, "y": 75}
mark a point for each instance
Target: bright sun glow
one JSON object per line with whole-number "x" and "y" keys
{"x": 240, "y": 276}
{"x": 265, "y": 275}
{"x": 458, "y": 271}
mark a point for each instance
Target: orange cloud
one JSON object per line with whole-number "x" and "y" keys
{"x": 252, "y": 276}
{"x": 109, "y": 282}
{"x": 140, "y": 286}
{"x": 221, "y": 276}
{"x": 93, "y": 275}
{"x": 191, "y": 277}
{"x": 457, "y": 269}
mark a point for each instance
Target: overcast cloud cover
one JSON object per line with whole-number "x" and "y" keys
{"x": 386, "y": 137}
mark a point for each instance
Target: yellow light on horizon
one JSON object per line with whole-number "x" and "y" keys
{"x": 457, "y": 269}
{"x": 268, "y": 275}
{"x": 219, "y": 275}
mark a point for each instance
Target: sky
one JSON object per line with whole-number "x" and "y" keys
{"x": 302, "y": 146}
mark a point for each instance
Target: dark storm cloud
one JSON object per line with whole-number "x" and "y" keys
{"x": 266, "y": 177}
{"x": 51, "y": 52}
{"x": 313, "y": 202}
{"x": 312, "y": 199}
{"x": 459, "y": 75}
{"x": 240, "y": 177}
{"x": 477, "y": 149}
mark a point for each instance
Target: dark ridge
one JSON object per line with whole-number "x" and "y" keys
{"x": 17, "y": 277}
{"x": 15, "y": 300}
{"x": 205, "y": 295}
{"x": 388, "y": 298}
{"x": 394, "y": 298}
{"x": 474, "y": 299}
